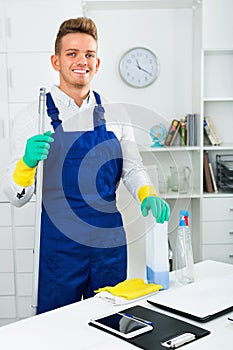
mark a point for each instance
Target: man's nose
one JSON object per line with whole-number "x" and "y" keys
{"x": 81, "y": 58}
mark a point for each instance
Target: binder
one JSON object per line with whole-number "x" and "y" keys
{"x": 201, "y": 301}
{"x": 165, "y": 329}
{"x": 207, "y": 175}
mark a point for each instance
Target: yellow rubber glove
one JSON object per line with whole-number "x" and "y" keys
{"x": 150, "y": 201}
{"x": 24, "y": 175}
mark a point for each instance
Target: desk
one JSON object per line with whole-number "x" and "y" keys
{"x": 67, "y": 328}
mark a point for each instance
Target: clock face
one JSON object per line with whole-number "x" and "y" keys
{"x": 139, "y": 67}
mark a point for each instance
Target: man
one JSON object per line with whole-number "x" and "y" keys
{"x": 83, "y": 244}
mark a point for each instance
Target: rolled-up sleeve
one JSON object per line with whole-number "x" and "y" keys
{"x": 25, "y": 126}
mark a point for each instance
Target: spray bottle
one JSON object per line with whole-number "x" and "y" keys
{"x": 157, "y": 260}
{"x": 184, "y": 252}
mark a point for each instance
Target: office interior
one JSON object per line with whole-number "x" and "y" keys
{"x": 193, "y": 42}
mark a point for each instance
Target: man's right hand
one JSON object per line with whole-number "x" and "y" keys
{"x": 37, "y": 148}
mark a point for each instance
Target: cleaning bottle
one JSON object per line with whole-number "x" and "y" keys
{"x": 157, "y": 256}
{"x": 184, "y": 253}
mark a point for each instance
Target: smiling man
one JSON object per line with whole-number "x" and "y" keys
{"x": 76, "y": 60}
{"x": 83, "y": 242}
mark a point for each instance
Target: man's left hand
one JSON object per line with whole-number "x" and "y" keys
{"x": 159, "y": 207}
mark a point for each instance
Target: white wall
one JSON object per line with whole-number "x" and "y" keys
{"x": 166, "y": 32}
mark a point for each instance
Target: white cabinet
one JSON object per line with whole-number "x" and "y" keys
{"x": 217, "y": 102}
{"x": 2, "y": 27}
{"x": 217, "y": 226}
{"x": 4, "y": 122}
{"x": 24, "y": 221}
{"x": 31, "y": 25}
{"x": 25, "y": 216}
{"x": 7, "y": 307}
{"x": 7, "y": 280}
{"x": 24, "y": 88}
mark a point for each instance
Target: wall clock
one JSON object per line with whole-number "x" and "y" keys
{"x": 139, "y": 67}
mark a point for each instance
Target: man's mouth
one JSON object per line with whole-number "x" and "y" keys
{"x": 80, "y": 71}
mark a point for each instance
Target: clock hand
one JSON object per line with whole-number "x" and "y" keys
{"x": 139, "y": 67}
{"x": 144, "y": 70}
{"x": 138, "y": 64}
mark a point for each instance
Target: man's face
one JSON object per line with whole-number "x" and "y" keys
{"x": 77, "y": 61}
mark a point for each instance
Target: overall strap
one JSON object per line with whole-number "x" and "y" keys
{"x": 98, "y": 114}
{"x": 52, "y": 111}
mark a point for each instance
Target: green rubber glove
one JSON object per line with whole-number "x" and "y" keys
{"x": 37, "y": 148}
{"x": 160, "y": 209}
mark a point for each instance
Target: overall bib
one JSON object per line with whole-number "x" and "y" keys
{"x": 83, "y": 243}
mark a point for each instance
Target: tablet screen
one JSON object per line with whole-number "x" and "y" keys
{"x": 122, "y": 323}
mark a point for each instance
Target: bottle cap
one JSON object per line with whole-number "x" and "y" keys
{"x": 184, "y": 214}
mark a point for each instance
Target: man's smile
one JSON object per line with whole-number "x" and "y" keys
{"x": 80, "y": 71}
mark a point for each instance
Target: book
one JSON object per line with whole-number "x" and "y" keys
{"x": 182, "y": 132}
{"x": 191, "y": 120}
{"x": 207, "y": 177}
{"x": 213, "y": 130}
{"x": 196, "y": 115}
{"x": 172, "y": 133}
{"x": 212, "y": 174}
{"x": 208, "y": 133}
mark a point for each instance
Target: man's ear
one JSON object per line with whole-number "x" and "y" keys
{"x": 55, "y": 62}
{"x": 97, "y": 64}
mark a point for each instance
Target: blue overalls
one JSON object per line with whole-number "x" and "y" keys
{"x": 83, "y": 243}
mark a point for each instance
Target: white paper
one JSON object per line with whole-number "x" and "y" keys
{"x": 202, "y": 298}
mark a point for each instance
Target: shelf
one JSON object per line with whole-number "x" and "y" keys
{"x": 217, "y": 195}
{"x": 222, "y": 147}
{"x": 177, "y": 195}
{"x": 148, "y": 148}
{"x": 215, "y": 51}
{"x": 138, "y": 5}
{"x": 218, "y": 99}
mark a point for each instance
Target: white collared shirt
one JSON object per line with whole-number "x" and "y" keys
{"x": 76, "y": 118}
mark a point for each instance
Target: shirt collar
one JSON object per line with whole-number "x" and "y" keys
{"x": 68, "y": 101}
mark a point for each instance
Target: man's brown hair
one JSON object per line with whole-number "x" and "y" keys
{"x": 75, "y": 25}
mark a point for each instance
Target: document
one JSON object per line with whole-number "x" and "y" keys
{"x": 204, "y": 300}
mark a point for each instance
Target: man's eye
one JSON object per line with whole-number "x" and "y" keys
{"x": 89, "y": 55}
{"x": 71, "y": 54}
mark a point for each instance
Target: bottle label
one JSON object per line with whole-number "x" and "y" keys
{"x": 158, "y": 277}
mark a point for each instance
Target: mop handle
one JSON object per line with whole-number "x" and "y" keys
{"x": 39, "y": 182}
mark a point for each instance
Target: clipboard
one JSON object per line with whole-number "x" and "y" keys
{"x": 166, "y": 330}
{"x": 201, "y": 301}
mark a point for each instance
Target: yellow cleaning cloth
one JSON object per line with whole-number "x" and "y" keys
{"x": 131, "y": 289}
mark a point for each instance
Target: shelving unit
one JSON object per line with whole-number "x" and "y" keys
{"x": 166, "y": 157}
{"x": 217, "y": 102}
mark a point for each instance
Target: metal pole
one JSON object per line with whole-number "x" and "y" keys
{"x": 39, "y": 182}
